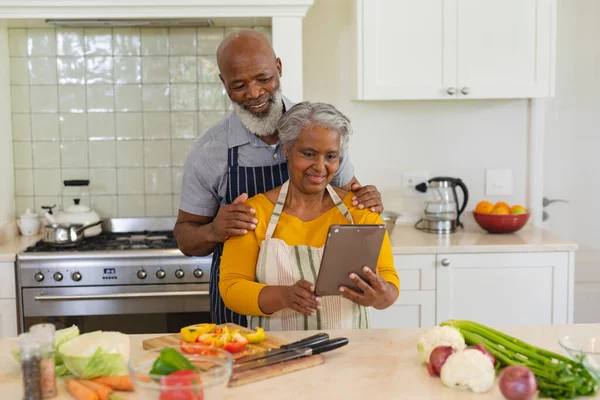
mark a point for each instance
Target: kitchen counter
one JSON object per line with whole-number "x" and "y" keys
{"x": 10, "y": 248}
{"x": 380, "y": 364}
{"x": 406, "y": 239}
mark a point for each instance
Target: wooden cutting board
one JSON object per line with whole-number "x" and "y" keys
{"x": 245, "y": 377}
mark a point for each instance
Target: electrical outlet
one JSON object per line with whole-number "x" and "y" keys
{"x": 412, "y": 179}
{"x": 498, "y": 182}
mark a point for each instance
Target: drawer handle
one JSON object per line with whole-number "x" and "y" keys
{"x": 445, "y": 262}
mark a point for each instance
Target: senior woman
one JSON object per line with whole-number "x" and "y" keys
{"x": 269, "y": 274}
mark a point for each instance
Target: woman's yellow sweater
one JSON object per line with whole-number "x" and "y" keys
{"x": 238, "y": 285}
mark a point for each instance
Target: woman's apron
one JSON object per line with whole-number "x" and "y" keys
{"x": 280, "y": 264}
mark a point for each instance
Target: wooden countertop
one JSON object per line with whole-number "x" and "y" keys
{"x": 381, "y": 364}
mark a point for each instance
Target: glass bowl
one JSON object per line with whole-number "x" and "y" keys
{"x": 213, "y": 367}
{"x": 587, "y": 347}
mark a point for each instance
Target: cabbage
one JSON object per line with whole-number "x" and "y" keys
{"x": 96, "y": 354}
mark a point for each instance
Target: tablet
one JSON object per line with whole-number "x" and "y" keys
{"x": 348, "y": 249}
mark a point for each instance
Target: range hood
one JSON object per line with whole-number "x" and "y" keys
{"x": 148, "y": 23}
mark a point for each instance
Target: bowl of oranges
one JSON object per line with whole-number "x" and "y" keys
{"x": 500, "y": 217}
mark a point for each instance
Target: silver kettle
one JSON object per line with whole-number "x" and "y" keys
{"x": 442, "y": 211}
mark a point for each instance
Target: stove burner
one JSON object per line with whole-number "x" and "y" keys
{"x": 114, "y": 241}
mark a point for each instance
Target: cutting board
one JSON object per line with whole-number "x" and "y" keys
{"x": 245, "y": 377}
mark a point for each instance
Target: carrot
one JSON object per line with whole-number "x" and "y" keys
{"x": 101, "y": 390}
{"x": 79, "y": 391}
{"x": 116, "y": 382}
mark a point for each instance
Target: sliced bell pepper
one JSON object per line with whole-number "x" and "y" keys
{"x": 179, "y": 386}
{"x": 169, "y": 361}
{"x": 197, "y": 348}
{"x": 191, "y": 333}
{"x": 255, "y": 337}
{"x": 237, "y": 343}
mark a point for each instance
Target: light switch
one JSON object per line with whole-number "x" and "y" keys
{"x": 498, "y": 182}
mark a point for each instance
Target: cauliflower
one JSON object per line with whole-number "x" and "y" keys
{"x": 439, "y": 336}
{"x": 469, "y": 369}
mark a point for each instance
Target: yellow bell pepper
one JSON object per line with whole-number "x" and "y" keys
{"x": 255, "y": 337}
{"x": 192, "y": 332}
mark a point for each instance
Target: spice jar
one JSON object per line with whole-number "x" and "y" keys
{"x": 29, "y": 353}
{"x": 45, "y": 335}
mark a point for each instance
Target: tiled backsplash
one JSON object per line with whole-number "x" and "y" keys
{"x": 120, "y": 107}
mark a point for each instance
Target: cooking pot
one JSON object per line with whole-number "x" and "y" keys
{"x": 59, "y": 234}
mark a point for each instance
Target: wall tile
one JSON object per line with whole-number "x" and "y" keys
{"x": 73, "y": 126}
{"x": 44, "y": 127}
{"x": 184, "y": 97}
{"x": 211, "y": 96}
{"x": 41, "y": 42}
{"x": 159, "y": 206}
{"x": 208, "y": 71}
{"x": 209, "y": 39}
{"x": 21, "y": 127}
{"x": 176, "y": 200}
{"x": 131, "y": 206}
{"x": 130, "y": 153}
{"x": 103, "y": 181}
{"x": 155, "y": 97}
{"x": 128, "y": 98}
{"x": 19, "y": 99}
{"x": 127, "y": 70}
{"x": 75, "y": 173}
{"x": 129, "y": 126}
{"x": 155, "y": 69}
{"x": 71, "y": 99}
{"x": 157, "y": 153}
{"x": 23, "y": 155}
{"x": 70, "y": 42}
{"x": 23, "y": 203}
{"x": 182, "y": 41}
{"x": 71, "y": 70}
{"x": 158, "y": 180}
{"x": 127, "y": 42}
{"x": 179, "y": 149}
{"x": 19, "y": 71}
{"x": 176, "y": 180}
{"x": 101, "y": 126}
{"x": 98, "y": 41}
{"x": 46, "y": 155}
{"x": 47, "y": 182}
{"x": 208, "y": 119}
{"x": 155, "y": 41}
{"x": 17, "y": 42}
{"x": 157, "y": 125}
{"x": 74, "y": 155}
{"x": 102, "y": 154}
{"x": 42, "y": 70}
{"x": 105, "y": 206}
{"x": 100, "y": 98}
{"x": 24, "y": 182}
{"x": 130, "y": 181}
{"x": 184, "y": 125}
{"x": 99, "y": 70}
{"x": 182, "y": 69}
{"x": 44, "y": 98}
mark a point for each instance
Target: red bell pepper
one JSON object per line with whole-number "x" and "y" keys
{"x": 238, "y": 343}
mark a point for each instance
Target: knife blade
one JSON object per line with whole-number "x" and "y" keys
{"x": 311, "y": 340}
{"x": 292, "y": 354}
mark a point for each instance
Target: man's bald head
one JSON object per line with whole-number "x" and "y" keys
{"x": 244, "y": 41}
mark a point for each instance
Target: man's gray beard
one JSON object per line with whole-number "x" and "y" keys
{"x": 265, "y": 125}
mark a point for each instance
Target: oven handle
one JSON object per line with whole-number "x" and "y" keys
{"x": 121, "y": 295}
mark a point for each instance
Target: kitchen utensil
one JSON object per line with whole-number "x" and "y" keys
{"x": 213, "y": 368}
{"x": 587, "y": 348}
{"x": 29, "y": 223}
{"x": 61, "y": 234}
{"x": 292, "y": 354}
{"x": 76, "y": 213}
{"x": 442, "y": 212}
{"x": 309, "y": 341}
{"x": 389, "y": 219}
{"x": 499, "y": 223}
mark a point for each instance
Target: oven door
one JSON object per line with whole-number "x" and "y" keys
{"x": 127, "y": 309}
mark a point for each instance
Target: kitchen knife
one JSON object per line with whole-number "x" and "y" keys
{"x": 311, "y": 340}
{"x": 288, "y": 355}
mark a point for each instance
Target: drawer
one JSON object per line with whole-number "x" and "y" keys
{"x": 7, "y": 280}
{"x": 417, "y": 272}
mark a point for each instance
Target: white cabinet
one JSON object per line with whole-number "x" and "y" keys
{"x": 8, "y": 302}
{"x": 7, "y": 280}
{"x": 505, "y": 288}
{"x": 449, "y": 49}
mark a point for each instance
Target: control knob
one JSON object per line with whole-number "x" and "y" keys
{"x": 38, "y": 277}
{"x": 198, "y": 273}
{"x": 58, "y": 276}
{"x": 160, "y": 274}
{"x": 141, "y": 274}
{"x": 179, "y": 273}
{"x": 76, "y": 276}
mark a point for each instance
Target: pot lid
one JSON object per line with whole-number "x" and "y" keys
{"x": 77, "y": 208}
{"x": 28, "y": 215}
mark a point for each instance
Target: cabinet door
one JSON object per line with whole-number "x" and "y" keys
{"x": 7, "y": 280}
{"x": 504, "y": 48}
{"x": 406, "y": 49}
{"x": 505, "y": 288}
{"x": 8, "y": 318}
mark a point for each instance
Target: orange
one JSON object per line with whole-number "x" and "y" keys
{"x": 518, "y": 209}
{"x": 484, "y": 207}
{"x": 501, "y": 211}
{"x": 502, "y": 204}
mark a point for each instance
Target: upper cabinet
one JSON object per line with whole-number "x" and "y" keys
{"x": 455, "y": 49}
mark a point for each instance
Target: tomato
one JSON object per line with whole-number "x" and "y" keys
{"x": 197, "y": 348}
{"x": 183, "y": 379}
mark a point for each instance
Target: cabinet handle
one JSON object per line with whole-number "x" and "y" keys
{"x": 465, "y": 90}
{"x": 445, "y": 262}
{"x": 451, "y": 90}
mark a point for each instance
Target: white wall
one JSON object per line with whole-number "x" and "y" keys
{"x": 7, "y": 201}
{"x": 447, "y": 138}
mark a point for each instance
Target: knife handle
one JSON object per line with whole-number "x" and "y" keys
{"x": 309, "y": 341}
{"x": 329, "y": 345}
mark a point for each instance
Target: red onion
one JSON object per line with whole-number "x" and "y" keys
{"x": 438, "y": 357}
{"x": 484, "y": 351}
{"x": 517, "y": 383}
